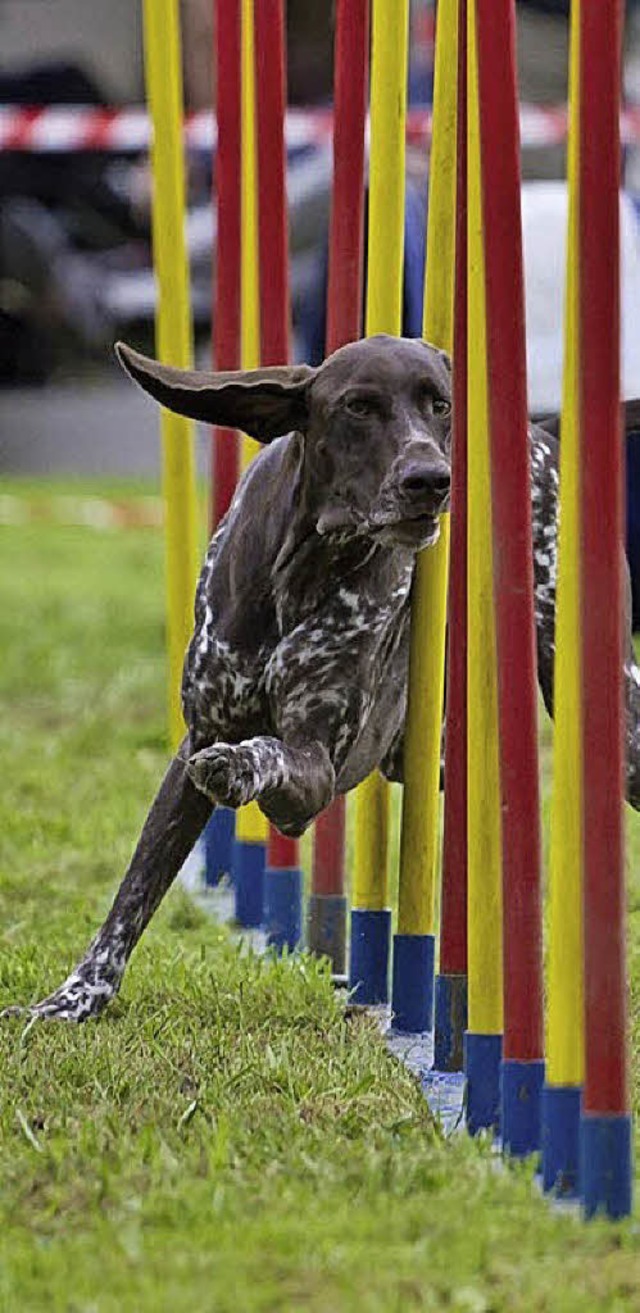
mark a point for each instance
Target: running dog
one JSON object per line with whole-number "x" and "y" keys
{"x": 294, "y": 684}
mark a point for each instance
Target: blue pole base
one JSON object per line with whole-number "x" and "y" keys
{"x": 482, "y": 1058}
{"x": 412, "y": 990}
{"x": 606, "y": 1165}
{"x": 369, "y": 956}
{"x": 451, "y": 1022}
{"x": 521, "y": 1091}
{"x": 327, "y": 929}
{"x": 219, "y": 840}
{"x": 560, "y": 1139}
{"x": 283, "y": 907}
{"x": 249, "y": 860}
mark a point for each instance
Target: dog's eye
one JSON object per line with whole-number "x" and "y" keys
{"x": 441, "y": 407}
{"x": 430, "y": 405}
{"x": 361, "y": 407}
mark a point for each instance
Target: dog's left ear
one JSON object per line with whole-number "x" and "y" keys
{"x": 261, "y": 402}
{"x": 446, "y": 360}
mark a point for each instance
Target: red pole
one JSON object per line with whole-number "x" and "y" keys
{"x": 605, "y": 1086}
{"x": 273, "y": 242}
{"x": 606, "y": 1128}
{"x": 273, "y": 249}
{"x": 327, "y": 919}
{"x": 523, "y": 1067}
{"x": 226, "y": 336}
{"x": 346, "y": 234}
{"x": 451, "y": 984}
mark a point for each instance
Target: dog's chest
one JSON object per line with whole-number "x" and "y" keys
{"x": 224, "y": 691}
{"x": 340, "y": 674}
{"x": 337, "y": 665}
{"x": 221, "y": 685}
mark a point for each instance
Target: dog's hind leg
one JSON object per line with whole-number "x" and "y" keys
{"x": 175, "y": 821}
{"x": 545, "y": 550}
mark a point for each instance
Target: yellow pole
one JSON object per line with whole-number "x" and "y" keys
{"x": 419, "y": 839}
{"x": 565, "y": 1021}
{"x": 485, "y": 868}
{"x": 251, "y": 826}
{"x": 250, "y": 269}
{"x": 173, "y": 329}
{"x": 565, "y": 1060}
{"x": 371, "y": 918}
{"x": 389, "y": 50}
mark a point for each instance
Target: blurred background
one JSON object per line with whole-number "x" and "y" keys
{"x": 75, "y": 262}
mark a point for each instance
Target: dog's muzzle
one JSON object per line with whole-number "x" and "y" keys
{"x": 425, "y": 485}
{"x": 410, "y": 513}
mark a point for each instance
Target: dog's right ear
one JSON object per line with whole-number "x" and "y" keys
{"x": 261, "y": 402}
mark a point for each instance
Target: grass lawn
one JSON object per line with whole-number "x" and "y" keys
{"x": 224, "y": 1138}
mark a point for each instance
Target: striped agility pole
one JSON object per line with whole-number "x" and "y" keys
{"x": 283, "y": 875}
{"x": 562, "y": 1094}
{"x": 414, "y": 944}
{"x": 327, "y": 910}
{"x": 249, "y": 858}
{"x": 483, "y": 1040}
{"x": 606, "y": 1121}
{"x": 163, "y": 76}
{"x": 522, "y": 1072}
{"x": 451, "y": 981}
{"x": 370, "y": 916}
{"x": 228, "y": 200}
{"x": 327, "y": 919}
{"x": 220, "y": 830}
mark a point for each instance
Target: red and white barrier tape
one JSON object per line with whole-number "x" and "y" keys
{"x": 53, "y": 129}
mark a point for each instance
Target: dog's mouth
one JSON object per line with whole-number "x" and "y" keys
{"x": 416, "y": 531}
{"x": 390, "y": 528}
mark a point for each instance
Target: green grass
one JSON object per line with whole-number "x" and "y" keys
{"x": 224, "y": 1138}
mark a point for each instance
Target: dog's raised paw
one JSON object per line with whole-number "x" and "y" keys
{"x": 226, "y": 773}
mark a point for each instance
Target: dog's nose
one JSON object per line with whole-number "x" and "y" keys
{"x": 421, "y": 479}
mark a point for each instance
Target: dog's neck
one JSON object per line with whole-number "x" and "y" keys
{"x": 273, "y": 568}
{"x": 312, "y": 568}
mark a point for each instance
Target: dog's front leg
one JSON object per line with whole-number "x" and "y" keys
{"x": 291, "y": 784}
{"x": 175, "y": 821}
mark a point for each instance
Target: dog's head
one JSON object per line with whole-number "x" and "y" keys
{"x": 376, "y": 423}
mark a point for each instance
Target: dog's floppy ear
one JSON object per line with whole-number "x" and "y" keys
{"x": 261, "y": 402}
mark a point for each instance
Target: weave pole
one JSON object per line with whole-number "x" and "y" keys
{"x": 327, "y": 922}
{"x": 483, "y": 1040}
{"x": 283, "y": 875}
{"x": 226, "y": 337}
{"x": 522, "y": 1072}
{"x": 414, "y": 944}
{"x": 561, "y": 1097}
{"x": 163, "y": 78}
{"x": 251, "y": 825}
{"x": 220, "y": 830}
{"x": 370, "y": 916}
{"x": 451, "y": 982}
{"x": 606, "y": 1122}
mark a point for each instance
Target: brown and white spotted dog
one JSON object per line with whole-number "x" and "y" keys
{"x": 294, "y": 683}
